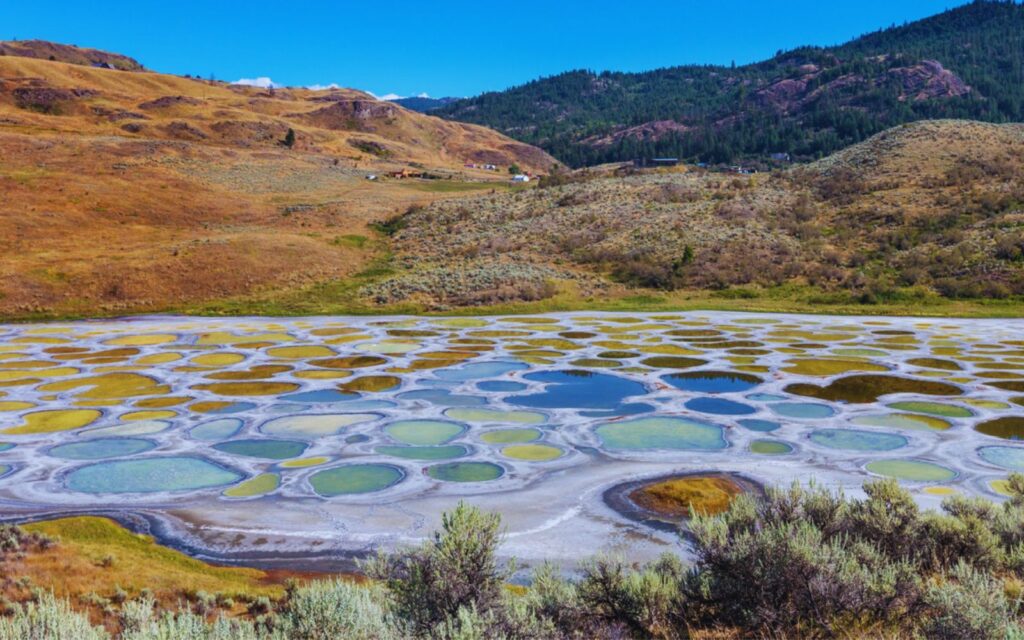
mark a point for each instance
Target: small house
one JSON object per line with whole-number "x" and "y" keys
{"x": 520, "y": 178}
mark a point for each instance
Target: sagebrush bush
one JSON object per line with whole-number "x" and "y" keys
{"x": 456, "y": 569}
{"x": 799, "y": 562}
{"x": 968, "y": 604}
{"x": 49, "y": 619}
{"x": 644, "y": 603}
{"x": 336, "y": 609}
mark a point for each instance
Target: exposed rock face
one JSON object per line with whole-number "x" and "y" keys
{"x": 928, "y": 80}
{"x": 169, "y": 101}
{"x": 348, "y": 114}
{"x": 248, "y": 134}
{"x": 655, "y": 130}
{"x": 116, "y": 115}
{"x": 184, "y": 131}
{"x": 47, "y": 99}
{"x": 784, "y": 94}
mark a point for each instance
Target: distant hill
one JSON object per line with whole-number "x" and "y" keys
{"x": 964, "y": 63}
{"x": 68, "y": 53}
{"x": 424, "y": 104}
{"x": 130, "y": 191}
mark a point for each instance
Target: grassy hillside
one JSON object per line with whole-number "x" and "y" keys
{"x": 915, "y": 215}
{"x": 97, "y": 564}
{"x": 128, "y": 191}
{"x": 964, "y": 63}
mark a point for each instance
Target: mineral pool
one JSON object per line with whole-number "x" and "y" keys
{"x": 276, "y": 434}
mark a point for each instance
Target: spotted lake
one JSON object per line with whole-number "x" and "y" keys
{"x": 245, "y": 439}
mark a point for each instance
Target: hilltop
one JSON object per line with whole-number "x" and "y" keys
{"x": 128, "y": 190}
{"x": 922, "y": 211}
{"x": 69, "y": 53}
{"x": 964, "y": 63}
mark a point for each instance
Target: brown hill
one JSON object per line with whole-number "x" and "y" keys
{"x": 143, "y": 191}
{"x": 68, "y": 53}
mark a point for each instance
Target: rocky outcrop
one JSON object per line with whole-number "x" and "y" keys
{"x": 249, "y": 134}
{"x": 655, "y": 130}
{"x": 170, "y": 101}
{"x": 347, "y": 115}
{"x": 927, "y": 81}
{"x": 783, "y": 95}
{"x": 47, "y": 99}
{"x": 184, "y": 131}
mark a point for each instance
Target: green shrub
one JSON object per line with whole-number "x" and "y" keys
{"x": 456, "y": 569}
{"x": 645, "y": 603}
{"x": 968, "y": 604}
{"x": 49, "y": 619}
{"x": 335, "y": 609}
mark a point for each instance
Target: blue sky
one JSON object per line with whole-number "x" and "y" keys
{"x": 448, "y": 47}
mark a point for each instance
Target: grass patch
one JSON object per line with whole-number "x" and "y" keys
{"x": 452, "y": 186}
{"x": 341, "y": 297}
{"x": 350, "y": 240}
{"x": 93, "y": 555}
{"x": 706, "y": 495}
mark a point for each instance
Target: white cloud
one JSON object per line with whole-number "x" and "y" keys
{"x": 262, "y": 82}
{"x": 334, "y": 85}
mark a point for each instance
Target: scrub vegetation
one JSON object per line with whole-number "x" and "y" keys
{"x": 919, "y": 215}
{"x": 795, "y": 562}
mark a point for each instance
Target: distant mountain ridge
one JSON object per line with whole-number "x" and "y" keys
{"x": 967, "y": 62}
{"x": 424, "y": 104}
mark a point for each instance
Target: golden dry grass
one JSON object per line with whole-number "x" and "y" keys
{"x": 679, "y": 497}
{"x": 96, "y": 555}
{"x": 111, "y": 204}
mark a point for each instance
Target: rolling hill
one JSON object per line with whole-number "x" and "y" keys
{"x": 919, "y": 212}
{"x": 128, "y": 190}
{"x": 964, "y": 63}
{"x": 71, "y": 54}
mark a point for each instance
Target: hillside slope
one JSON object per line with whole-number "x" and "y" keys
{"x": 69, "y": 53}
{"x": 131, "y": 191}
{"x": 964, "y": 63}
{"x": 923, "y": 210}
